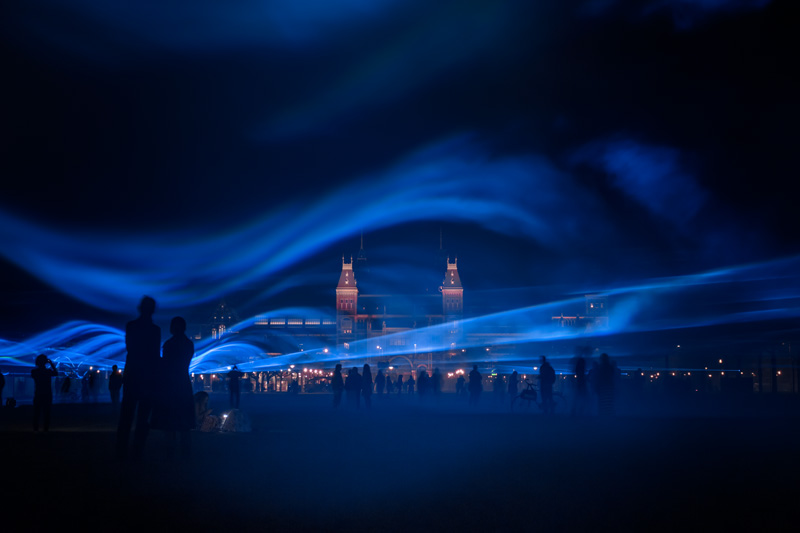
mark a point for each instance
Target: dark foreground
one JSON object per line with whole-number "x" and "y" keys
{"x": 404, "y": 467}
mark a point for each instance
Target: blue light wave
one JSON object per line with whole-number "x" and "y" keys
{"x": 631, "y": 312}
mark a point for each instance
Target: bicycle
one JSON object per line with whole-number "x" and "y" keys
{"x": 524, "y": 399}
{"x": 528, "y": 397}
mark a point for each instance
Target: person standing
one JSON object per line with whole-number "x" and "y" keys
{"x": 42, "y": 391}
{"x": 380, "y": 382}
{"x": 234, "y": 386}
{"x": 366, "y": 386}
{"x": 399, "y": 384}
{"x": 547, "y": 377}
{"x": 513, "y": 382}
{"x": 174, "y": 411}
{"x": 581, "y": 389}
{"x": 437, "y": 383}
{"x": 475, "y": 386}
{"x": 353, "y": 387}
{"x": 143, "y": 341}
{"x": 114, "y": 386}
{"x": 337, "y": 384}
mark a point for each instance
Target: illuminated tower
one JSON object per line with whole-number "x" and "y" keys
{"x": 596, "y": 311}
{"x": 452, "y": 292}
{"x": 346, "y": 302}
{"x": 225, "y": 317}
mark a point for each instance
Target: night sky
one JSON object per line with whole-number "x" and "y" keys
{"x": 199, "y": 150}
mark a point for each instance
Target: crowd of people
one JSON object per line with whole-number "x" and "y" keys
{"x": 157, "y": 392}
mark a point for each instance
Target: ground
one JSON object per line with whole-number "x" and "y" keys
{"x": 409, "y": 466}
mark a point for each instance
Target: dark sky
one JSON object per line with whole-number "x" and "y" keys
{"x": 559, "y": 146}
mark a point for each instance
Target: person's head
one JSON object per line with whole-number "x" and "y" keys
{"x": 177, "y": 326}
{"x": 147, "y": 306}
{"x": 366, "y": 369}
{"x": 474, "y": 367}
{"x": 544, "y": 359}
{"x": 201, "y": 398}
{"x": 114, "y": 368}
{"x": 41, "y": 360}
{"x": 604, "y": 359}
{"x": 338, "y": 367}
{"x": 353, "y": 371}
{"x": 235, "y": 367}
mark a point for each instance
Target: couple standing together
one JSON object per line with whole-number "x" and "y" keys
{"x": 155, "y": 389}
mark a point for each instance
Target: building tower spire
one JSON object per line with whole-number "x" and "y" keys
{"x": 452, "y": 291}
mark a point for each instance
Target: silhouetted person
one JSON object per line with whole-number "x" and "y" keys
{"x": 85, "y": 387}
{"x": 366, "y": 386}
{"x": 389, "y": 384}
{"x": 234, "y": 386}
{"x": 143, "y": 341}
{"x": 353, "y": 387}
{"x": 42, "y": 391}
{"x": 475, "y": 385}
{"x": 422, "y": 383}
{"x": 513, "y": 385}
{"x": 174, "y": 411}
{"x": 581, "y": 399}
{"x": 605, "y": 386}
{"x": 204, "y": 420}
{"x": 547, "y": 377}
{"x": 499, "y": 390}
{"x": 337, "y": 385}
{"x": 114, "y": 386}
{"x": 410, "y": 384}
{"x": 436, "y": 383}
{"x": 93, "y": 385}
{"x": 65, "y": 386}
{"x": 399, "y": 384}
{"x": 460, "y": 383}
{"x": 380, "y": 382}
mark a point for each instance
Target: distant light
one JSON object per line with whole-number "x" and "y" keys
{"x": 325, "y": 350}
{"x": 536, "y": 368}
{"x": 720, "y": 361}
